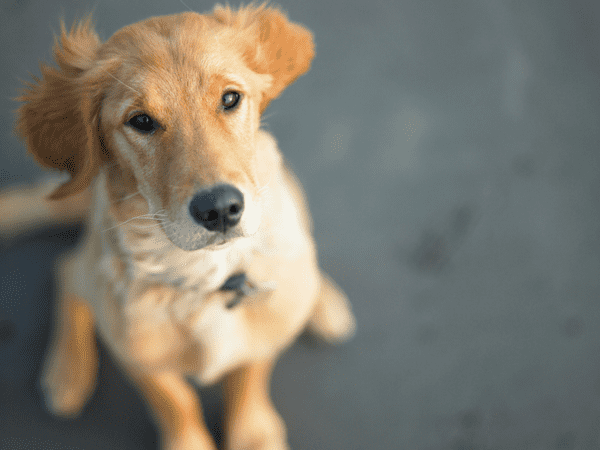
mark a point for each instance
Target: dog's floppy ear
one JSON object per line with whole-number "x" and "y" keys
{"x": 274, "y": 45}
{"x": 59, "y": 115}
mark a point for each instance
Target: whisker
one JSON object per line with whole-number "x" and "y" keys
{"x": 262, "y": 189}
{"x": 176, "y": 187}
{"x": 148, "y": 227}
{"x": 161, "y": 225}
{"x": 153, "y": 216}
{"x": 186, "y": 6}
{"x": 159, "y": 213}
{"x": 115, "y": 78}
{"x": 266, "y": 116}
{"x": 127, "y": 197}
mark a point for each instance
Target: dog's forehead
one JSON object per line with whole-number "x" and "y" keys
{"x": 178, "y": 39}
{"x": 180, "y": 54}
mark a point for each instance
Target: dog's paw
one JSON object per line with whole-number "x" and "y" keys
{"x": 262, "y": 429}
{"x": 68, "y": 379}
{"x": 332, "y": 319}
{"x": 190, "y": 439}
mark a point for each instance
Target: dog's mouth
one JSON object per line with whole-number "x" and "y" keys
{"x": 222, "y": 243}
{"x": 200, "y": 240}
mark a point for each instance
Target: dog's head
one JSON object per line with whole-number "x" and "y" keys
{"x": 171, "y": 108}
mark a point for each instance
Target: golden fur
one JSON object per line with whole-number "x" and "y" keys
{"x": 146, "y": 276}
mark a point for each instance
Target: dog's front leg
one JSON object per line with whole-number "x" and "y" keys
{"x": 332, "y": 319}
{"x": 251, "y": 421}
{"x": 70, "y": 368}
{"x": 176, "y": 410}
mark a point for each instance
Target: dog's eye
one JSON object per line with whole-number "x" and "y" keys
{"x": 230, "y": 99}
{"x": 143, "y": 123}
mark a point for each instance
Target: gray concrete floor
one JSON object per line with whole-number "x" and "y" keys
{"x": 451, "y": 159}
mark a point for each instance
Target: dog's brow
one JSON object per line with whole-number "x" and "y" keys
{"x": 124, "y": 107}
{"x": 112, "y": 76}
{"x": 233, "y": 78}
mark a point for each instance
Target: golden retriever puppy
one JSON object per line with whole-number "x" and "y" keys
{"x": 198, "y": 258}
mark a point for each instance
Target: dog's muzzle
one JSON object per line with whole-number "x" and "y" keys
{"x": 219, "y": 208}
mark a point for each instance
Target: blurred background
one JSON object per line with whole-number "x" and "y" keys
{"x": 450, "y": 153}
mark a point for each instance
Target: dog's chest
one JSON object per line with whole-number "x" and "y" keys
{"x": 150, "y": 290}
{"x": 200, "y": 271}
{"x": 148, "y": 302}
{"x": 188, "y": 278}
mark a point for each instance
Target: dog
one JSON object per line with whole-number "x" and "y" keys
{"x": 197, "y": 259}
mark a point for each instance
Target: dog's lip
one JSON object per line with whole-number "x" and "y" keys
{"x": 222, "y": 244}
{"x": 215, "y": 241}
{"x": 219, "y": 245}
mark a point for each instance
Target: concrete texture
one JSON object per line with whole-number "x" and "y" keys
{"x": 450, "y": 154}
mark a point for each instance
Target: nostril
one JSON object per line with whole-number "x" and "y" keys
{"x": 208, "y": 215}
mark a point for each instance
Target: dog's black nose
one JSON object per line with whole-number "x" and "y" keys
{"x": 219, "y": 208}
